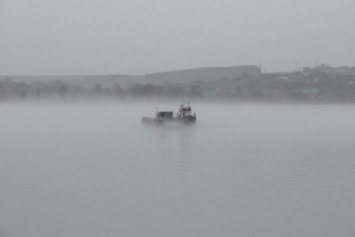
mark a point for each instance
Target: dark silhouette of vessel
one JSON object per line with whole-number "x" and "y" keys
{"x": 183, "y": 116}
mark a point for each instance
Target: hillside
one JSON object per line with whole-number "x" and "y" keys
{"x": 206, "y": 74}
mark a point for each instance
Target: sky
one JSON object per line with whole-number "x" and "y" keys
{"x": 74, "y": 37}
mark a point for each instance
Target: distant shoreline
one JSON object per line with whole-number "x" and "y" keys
{"x": 239, "y": 84}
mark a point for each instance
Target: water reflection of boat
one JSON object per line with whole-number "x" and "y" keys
{"x": 183, "y": 116}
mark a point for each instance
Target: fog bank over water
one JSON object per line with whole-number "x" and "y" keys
{"x": 271, "y": 154}
{"x": 89, "y": 169}
{"x": 319, "y": 84}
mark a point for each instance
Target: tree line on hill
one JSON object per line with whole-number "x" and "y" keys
{"x": 297, "y": 86}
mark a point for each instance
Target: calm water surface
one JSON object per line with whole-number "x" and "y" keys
{"x": 242, "y": 170}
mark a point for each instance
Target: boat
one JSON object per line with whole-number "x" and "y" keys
{"x": 183, "y": 116}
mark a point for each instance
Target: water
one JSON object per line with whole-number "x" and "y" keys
{"x": 244, "y": 170}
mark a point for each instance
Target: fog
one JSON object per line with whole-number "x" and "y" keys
{"x": 40, "y": 37}
{"x": 271, "y": 153}
{"x": 92, "y": 168}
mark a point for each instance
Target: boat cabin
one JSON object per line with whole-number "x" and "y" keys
{"x": 164, "y": 115}
{"x": 185, "y": 111}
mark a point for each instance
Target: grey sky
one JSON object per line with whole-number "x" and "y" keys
{"x": 143, "y": 36}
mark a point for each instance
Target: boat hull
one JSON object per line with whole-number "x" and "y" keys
{"x": 186, "y": 120}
